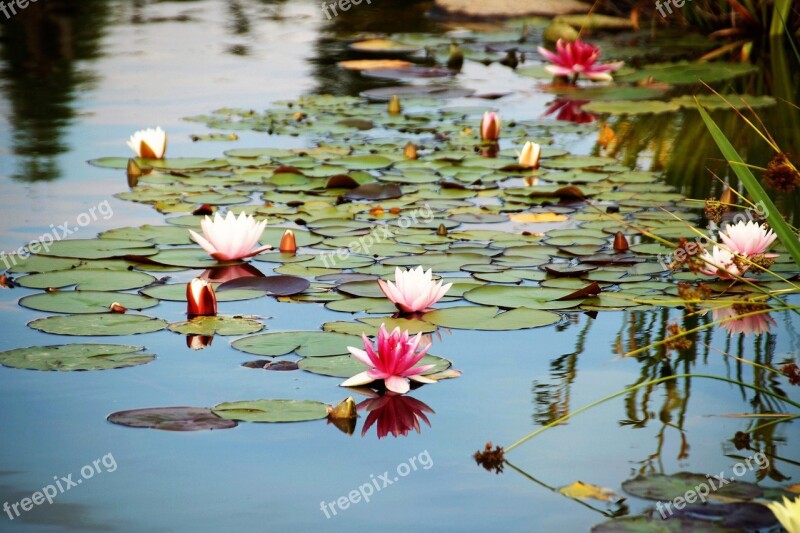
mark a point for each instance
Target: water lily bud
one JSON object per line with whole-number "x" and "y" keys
{"x": 345, "y": 409}
{"x": 727, "y": 196}
{"x": 288, "y": 243}
{"x": 117, "y": 307}
{"x": 441, "y": 230}
{"x": 620, "y": 242}
{"x": 530, "y": 155}
{"x": 456, "y": 59}
{"x": 410, "y": 151}
{"x": 201, "y": 298}
{"x": 490, "y": 127}
{"x": 394, "y": 105}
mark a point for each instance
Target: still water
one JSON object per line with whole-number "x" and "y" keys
{"x": 77, "y": 79}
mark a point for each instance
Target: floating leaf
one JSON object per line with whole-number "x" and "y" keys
{"x": 217, "y": 325}
{"x": 666, "y": 488}
{"x": 98, "y": 325}
{"x": 171, "y": 419}
{"x": 87, "y": 279}
{"x": 99, "y": 248}
{"x": 272, "y": 410}
{"x": 71, "y": 357}
{"x": 277, "y": 285}
{"x": 84, "y": 302}
{"x": 582, "y": 490}
{"x": 345, "y": 366}
{"x": 490, "y": 318}
{"x": 304, "y": 343}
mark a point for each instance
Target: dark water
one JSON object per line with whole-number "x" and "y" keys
{"x": 79, "y": 77}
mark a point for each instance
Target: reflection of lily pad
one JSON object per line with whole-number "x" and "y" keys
{"x": 98, "y": 325}
{"x": 272, "y": 410}
{"x": 277, "y": 285}
{"x": 171, "y": 419}
{"x": 665, "y": 488}
{"x": 304, "y": 343}
{"x": 217, "y": 325}
{"x": 72, "y": 357}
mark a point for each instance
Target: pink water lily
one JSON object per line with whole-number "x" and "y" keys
{"x": 742, "y": 242}
{"x": 413, "y": 290}
{"x": 230, "y": 238}
{"x": 578, "y": 58}
{"x": 747, "y": 238}
{"x": 392, "y": 360}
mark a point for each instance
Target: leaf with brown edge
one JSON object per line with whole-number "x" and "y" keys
{"x": 590, "y": 290}
{"x": 341, "y": 181}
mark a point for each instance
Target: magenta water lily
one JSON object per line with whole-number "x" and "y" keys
{"x": 578, "y": 58}
{"x": 393, "y": 360}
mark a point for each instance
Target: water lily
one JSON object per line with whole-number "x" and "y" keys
{"x": 756, "y": 324}
{"x": 230, "y": 238}
{"x": 394, "y": 414}
{"x": 720, "y": 262}
{"x": 413, "y": 290}
{"x": 578, "y": 58}
{"x": 392, "y": 360}
{"x": 288, "y": 242}
{"x": 201, "y": 298}
{"x": 787, "y": 513}
{"x": 747, "y": 238}
{"x": 149, "y": 144}
{"x": 529, "y": 157}
{"x": 490, "y": 126}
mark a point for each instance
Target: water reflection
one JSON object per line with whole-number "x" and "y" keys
{"x": 394, "y": 414}
{"x": 42, "y": 50}
{"x": 570, "y": 111}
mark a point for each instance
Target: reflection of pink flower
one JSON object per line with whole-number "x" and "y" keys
{"x": 413, "y": 290}
{"x": 578, "y": 58}
{"x": 393, "y": 361}
{"x": 394, "y": 414}
{"x": 231, "y": 272}
{"x": 230, "y": 238}
{"x": 756, "y": 324}
{"x": 570, "y": 111}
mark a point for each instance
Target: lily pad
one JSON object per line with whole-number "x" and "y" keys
{"x": 72, "y": 357}
{"x": 304, "y": 343}
{"x": 98, "y": 325}
{"x": 172, "y": 419}
{"x": 345, "y": 366}
{"x": 87, "y": 279}
{"x": 277, "y": 285}
{"x": 217, "y": 325}
{"x": 84, "y": 302}
{"x": 662, "y": 487}
{"x": 272, "y": 410}
{"x": 490, "y": 318}
{"x": 99, "y": 248}
{"x": 176, "y": 292}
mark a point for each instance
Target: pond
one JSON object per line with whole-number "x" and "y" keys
{"x": 562, "y": 293}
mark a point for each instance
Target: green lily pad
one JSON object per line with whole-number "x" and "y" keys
{"x": 683, "y": 72}
{"x": 217, "y": 325}
{"x": 171, "y": 419}
{"x": 520, "y": 296}
{"x": 40, "y": 263}
{"x": 490, "y": 318}
{"x": 304, "y": 343}
{"x": 362, "y": 305}
{"x": 272, "y": 410}
{"x": 72, "y": 357}
{"x": 345, "y": 366}
{"x": 370, "y": 326}
{"x": 98, "y": 325}
{"x": 87, "y": 279}
{"x": 176, "y": 292}
{"x": 99, "y": 248}
{"x": 84, "y": 302}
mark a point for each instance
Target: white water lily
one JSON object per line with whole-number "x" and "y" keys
{"x": 747, "y": 238}
{"x": 413, "y": 289}
{"x": 149, "y": 144}
{"x": 529, "y": 157}
{"x": 230, "y": 238}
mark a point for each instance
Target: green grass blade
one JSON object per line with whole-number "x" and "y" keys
{"x": 776, "y": 222}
